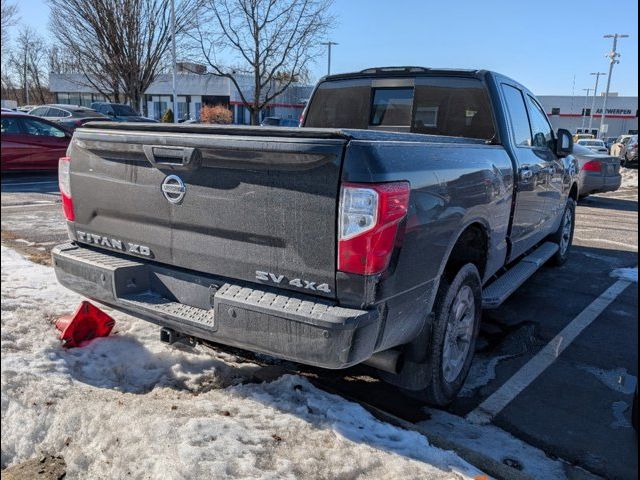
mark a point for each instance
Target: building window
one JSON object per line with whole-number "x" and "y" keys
{"x": 555, "y": 111}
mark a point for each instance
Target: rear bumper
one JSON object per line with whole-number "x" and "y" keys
{"x": 293, "y": 327}
{"x": 596, "y": 183}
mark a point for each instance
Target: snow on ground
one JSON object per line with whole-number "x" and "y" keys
{"x": 129, "y": 406}
{"x": 496, "y": 444}
{"x": 482, "y": 372}
{"x": 628, "y": 274}
{"x": 629, "y": 178}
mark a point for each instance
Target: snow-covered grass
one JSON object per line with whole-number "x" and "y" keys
{"x": 129, "y": 406}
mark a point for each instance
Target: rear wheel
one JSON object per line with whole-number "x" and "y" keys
{"x": 456, "y": 322}
{"x": 564, "y": 235}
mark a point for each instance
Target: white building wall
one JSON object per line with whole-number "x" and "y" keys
{"x": 567, "y": 112}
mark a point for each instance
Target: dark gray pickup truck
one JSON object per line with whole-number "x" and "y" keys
{"x": 411, "y": 199}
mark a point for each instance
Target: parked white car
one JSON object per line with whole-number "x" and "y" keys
{"x": 594, "y": 145}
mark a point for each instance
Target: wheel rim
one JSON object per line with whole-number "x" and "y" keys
{"x": 459, "y": 334}
{"x": 566, "y": 232}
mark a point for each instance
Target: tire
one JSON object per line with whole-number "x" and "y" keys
{"x": 447, "y": 376}
{"x": 564, "y": 235}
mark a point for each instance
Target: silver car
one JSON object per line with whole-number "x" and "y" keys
{"x": 598, "y": 172}
{"x": 594, "y": 145}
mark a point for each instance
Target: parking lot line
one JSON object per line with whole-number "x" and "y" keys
{"x": 495, "y": 403}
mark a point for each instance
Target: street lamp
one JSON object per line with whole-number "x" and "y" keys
{"x": 613, "y": 56}
{"x": 595, "y": 92}
{"x": 329, "y": 45}
{"x": 173, "y": 59}
{"x": 584, "y": 107}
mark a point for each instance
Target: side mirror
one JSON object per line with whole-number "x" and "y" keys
{"x": 564, "y": 143}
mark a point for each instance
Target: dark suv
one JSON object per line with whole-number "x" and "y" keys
{"x": 120, "y": 112}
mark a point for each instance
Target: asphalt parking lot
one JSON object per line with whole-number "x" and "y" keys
{"x": 577, "y": 408}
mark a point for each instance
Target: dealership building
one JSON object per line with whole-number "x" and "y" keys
{"x": 583, "y": 115}
{"x": 194, "y": 90}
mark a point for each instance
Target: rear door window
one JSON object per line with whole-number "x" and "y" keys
{"x": 39, "y": 111}
{"x": 54, "y": 113}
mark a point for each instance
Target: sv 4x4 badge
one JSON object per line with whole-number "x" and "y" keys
{"x": 296, "y": 282}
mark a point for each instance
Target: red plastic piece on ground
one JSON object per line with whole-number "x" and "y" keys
{"x": 88, "y": 322}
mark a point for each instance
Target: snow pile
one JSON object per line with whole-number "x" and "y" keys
{"x": 129, "y": 406}
{"x": 628, "y": 274}
{"x": 629, "y": 178}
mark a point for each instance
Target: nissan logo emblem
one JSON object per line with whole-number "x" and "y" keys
{"x": 173, "y": 189}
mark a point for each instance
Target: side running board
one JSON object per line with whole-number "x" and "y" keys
{"x": 497, "y": 292}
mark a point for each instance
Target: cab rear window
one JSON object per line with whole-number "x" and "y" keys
{"x": 451, "y": 106}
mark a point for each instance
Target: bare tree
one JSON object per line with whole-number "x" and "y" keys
{"x": 119, "y": 45}
{"x": 9, "y": 18}
{"x": 274, "y": 41}
{"x": 25, "y": 72}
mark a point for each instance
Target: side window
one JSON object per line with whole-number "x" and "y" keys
{"x": 518, "y": 115}
{"x": 10, "y": 125}
{"x": 38, "y": 128}
{"x": 54, "y": 113}
{"x": 540, "y": 126}
{"x": 38, "y": 112}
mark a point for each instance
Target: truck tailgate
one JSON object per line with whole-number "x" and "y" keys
{"x": 252, "y": 202}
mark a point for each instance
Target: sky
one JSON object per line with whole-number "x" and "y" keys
{"x": 542, "y": 43}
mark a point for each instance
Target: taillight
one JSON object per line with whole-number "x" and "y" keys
{"x": 592, "y": 166}
{"x": 64, "y": 182}
{"x": 368, "y": 224}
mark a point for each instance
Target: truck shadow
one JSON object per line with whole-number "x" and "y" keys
{"x": 609, "y": 203}
{"x": 30, "y": 182}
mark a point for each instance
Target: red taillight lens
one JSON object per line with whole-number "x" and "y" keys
{"x": 368, "y": 225}
{"x": 592, "y": 166}
{"x": 64, "y": 182}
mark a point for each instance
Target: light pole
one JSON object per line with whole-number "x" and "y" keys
{"x": 595, "y": 92}
{"x": 584, "y": 108}
{"x": 173, "y": 55}
{"x": 329, "y": 45}
{"x": 613, "y": 56}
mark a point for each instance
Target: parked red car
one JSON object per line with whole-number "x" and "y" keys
{"x": 31, "y": 143}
